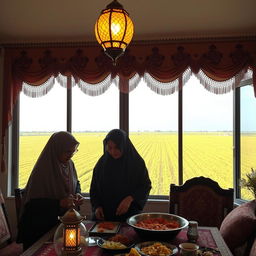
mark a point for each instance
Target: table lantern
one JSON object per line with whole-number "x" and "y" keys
{"x": 71, "y": 236}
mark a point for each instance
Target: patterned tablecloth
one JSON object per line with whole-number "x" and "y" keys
{"x": 207, "y": 238}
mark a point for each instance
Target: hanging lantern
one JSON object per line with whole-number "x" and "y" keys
{"x": 70, "y": 237}
{"x": 114, "y": 30}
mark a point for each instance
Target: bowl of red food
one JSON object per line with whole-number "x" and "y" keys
{"x": 155, "y": 225}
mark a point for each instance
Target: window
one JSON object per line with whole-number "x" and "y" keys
{"x": 39, "y": 118}
{"x": 92, "y": 118}
{"x": 153, "y": 130}
{"x": 208, "y": 134}
{"x": 248, "y": 135}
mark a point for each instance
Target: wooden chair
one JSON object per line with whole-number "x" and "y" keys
{"x": 18, "y": 192}
{"x": 201, "y": 199}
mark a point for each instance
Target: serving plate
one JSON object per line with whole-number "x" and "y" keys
{"x": 139, "y": 246}
{"x": 96, "y": 229}
{"x": 101, "y": 241}
{"x": 151, "y": 234}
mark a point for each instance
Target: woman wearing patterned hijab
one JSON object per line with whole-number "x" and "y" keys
{"x": 51, "y": 189}
{"x": 120, "y": 185}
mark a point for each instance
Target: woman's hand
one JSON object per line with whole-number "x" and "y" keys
{"x": 67, "y": 202}
{"x": 99, "y": 213}
{"x": 78, "y": 199}
{"x": 124, "y": 205}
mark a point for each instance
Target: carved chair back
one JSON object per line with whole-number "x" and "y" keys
{"x": 201, "y": 199}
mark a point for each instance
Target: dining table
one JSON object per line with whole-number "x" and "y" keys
{"x": 209, "y": 237}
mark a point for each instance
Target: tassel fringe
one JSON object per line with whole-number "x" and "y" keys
{"x": 186, "y": 76}
{"x": 220, "y": 87}
{"x": 62, "y": 80}
{"x": 95, "y": 89}
{"x": 133, "y": 82}
{"x": 161, "y": 88}
{"x": 153, "y": 84}
{"x": 39, "y": 90}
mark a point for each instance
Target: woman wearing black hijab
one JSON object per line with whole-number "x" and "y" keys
{"x": 120, "y": 184}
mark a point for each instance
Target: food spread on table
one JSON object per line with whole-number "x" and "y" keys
{"x": 158, "y": 224}
{"x": 121, "y": 243}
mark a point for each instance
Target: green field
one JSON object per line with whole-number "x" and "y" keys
{"x": 207, "y": 154}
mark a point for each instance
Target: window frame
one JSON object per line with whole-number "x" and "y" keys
{"x": 13, "y": 138}
{"x": 238, "y": 199}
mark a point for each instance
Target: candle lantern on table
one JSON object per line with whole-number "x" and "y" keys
{"x": 71, "y": 236}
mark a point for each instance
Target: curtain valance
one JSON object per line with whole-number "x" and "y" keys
{"x": 218, "y": 64}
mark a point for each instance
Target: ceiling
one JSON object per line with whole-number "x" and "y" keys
{"x": 73, "y": 21}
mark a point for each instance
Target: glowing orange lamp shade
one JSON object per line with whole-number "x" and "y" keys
{"x": 71, "y": 237}
{"x": 114, "y": 30}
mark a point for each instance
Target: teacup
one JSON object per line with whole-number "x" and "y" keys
{"x": 188, "y": 249}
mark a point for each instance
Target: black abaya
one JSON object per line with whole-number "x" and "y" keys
{"x": 115, "y": 179}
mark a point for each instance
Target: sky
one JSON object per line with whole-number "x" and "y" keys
{"x": 203, "y": 110}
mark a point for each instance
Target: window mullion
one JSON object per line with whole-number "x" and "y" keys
{"x": 124, "y": 111}
{"x": 69, "y": 104}
{"x": 237, "y": 143}
{"x": 180, "y": 132}
{"x": 14, "y": 143}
